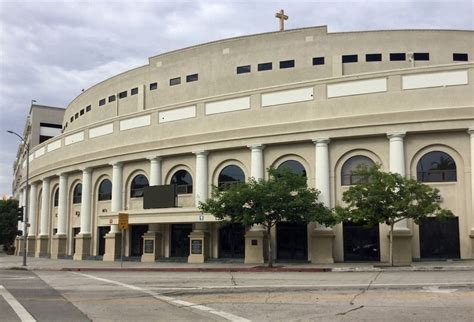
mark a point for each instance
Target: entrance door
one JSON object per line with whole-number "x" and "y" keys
{"x": 439, "y": 239}
{"x": 361, "y": 242}
{"x": 136, "y": 240}
{"x": 292, "y": 241}
{"x": 180, "y": 239}
{"x": 232, "y": 241}
{"x": 102, "y": 231}
{"x": 75, "y": 231}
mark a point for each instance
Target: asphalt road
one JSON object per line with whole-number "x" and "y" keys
{"x": 159, "y": 296}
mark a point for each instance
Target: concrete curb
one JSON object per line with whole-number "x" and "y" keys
{"x": 255, "y": 269}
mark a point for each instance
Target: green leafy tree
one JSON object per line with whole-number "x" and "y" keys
{"x": 389, "y": 198}
{"x": 8, "y": 222}
{"x": 285, "y": 196}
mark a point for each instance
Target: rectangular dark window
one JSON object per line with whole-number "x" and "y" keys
{"x": 153, "y": 86}
{"x": 175, "y": 81}
{"x": 134, "y": 91}
{"x": 72, "y": 119}
{"x": 54, "y": 126}
{"x": 318, "y": 60}
{"x": 460, "y": 57}
{"x": 192, "y": 78}
{"x": 81, "y": 112}
{"x": 88, "y": 108}
{"x": 264, "y": 66}
{"x": 373, "y": 57}
{"x": 43, "y": 138}
{"x": 398, "y": 56}
{"x": 102, "y": 102}
{"x": 349, "y": 58}
{"x": 243, "y": 69}
{"x": 122, "y": 94}
{"x": 111, "y": 98}
{"x": 76, "y": 116}
{"x": 421, "y": 56}
{"x": 287, "y": 64}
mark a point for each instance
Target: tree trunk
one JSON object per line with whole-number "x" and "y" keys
{"x": 391, "y": 244}
{"x": 269, "y": 243}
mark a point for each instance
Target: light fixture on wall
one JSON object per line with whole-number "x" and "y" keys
{"x": 104, "y": 210}
{"x": 78, "y": 213}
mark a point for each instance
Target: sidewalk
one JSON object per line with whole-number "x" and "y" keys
{"x": 33, "y": 263}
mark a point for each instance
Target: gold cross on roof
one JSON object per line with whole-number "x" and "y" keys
{"x": 281, "y": 15}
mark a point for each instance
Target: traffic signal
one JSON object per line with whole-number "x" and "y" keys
{"x": 20, "y": 213}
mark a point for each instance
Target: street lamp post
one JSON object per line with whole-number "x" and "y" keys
{"x": 27, "y": 201}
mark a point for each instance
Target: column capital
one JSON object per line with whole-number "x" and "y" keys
{"x": 116, "y": 164}
{"x": 256, "y": 146}
{"x": 201, "y": 152}
{"x": 470, "y": 130}
{"x": 154, "y": 158}
{"x": 321, "y": 141}
{"x": 63, "y": 174}
{"x": 47, "y": 179}
{"x": 86, "y": 169}
{"x": 396, "y": 135}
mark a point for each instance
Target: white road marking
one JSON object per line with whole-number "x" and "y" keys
{"x": 436, "y": 289}
{"x": 170, "y": 300}
{"x": 17, "y": 277}
{"x": 306, "y": 286}
{"x": 22, "y": 313}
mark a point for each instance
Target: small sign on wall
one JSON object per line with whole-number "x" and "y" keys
{"x": 196, "y": 246}
{"x": 149, "y": 245}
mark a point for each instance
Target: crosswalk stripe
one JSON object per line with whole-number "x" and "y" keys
{"x": 22, "y": 313}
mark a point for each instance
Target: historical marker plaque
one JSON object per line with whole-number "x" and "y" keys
{"x": 196, "y": 246}
{"x": 149, "y": 245}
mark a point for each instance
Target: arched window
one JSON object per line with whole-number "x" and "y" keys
{"x": 77, "y": 194}
{"x": 294, "y": 166}
{"x": 230, "y": 175}
{"x": 436, "y": 166}
{"x": 183, "y": 181}
{"x": 348, "y": 177}
{"x": 105, "y": 190}
{"x": 138, "y": 183}
{"x": 56, "y": 198}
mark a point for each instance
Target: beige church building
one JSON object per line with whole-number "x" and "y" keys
{"x": 215, "y": 114}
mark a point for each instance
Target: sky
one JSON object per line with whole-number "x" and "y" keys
{"x": 50, "y": 50}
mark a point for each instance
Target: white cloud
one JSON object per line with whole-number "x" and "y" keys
{"x": 50, "y": 50}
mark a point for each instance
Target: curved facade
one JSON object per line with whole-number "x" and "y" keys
{"x": 251, "y": 102}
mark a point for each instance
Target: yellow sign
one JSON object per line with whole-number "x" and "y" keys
{"x": 123, "y": 221}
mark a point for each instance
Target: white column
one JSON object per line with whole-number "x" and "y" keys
{"x": 32, "y": 211}
{"x": 471, "y": 134}
{"x": 44, "y": 208}
{"x": 117, "y": 177}
{"x": 117, "y": 186}
{"x": 397, "y": 164}
{"x": 155, "y": 171}
{"x": 397, "y": 153}
{"x": 24, "y": 211}
{"x": 322, "y": 172}
{"x": 257, "y": 169}
{"x": 86, "y": 201}
{"x": 62, "y": 204}
{"x": 201, "y": 177}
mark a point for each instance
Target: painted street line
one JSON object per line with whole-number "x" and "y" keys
{"x": 170, "y": 300}
{"x": 307, "y": 286}
{"x": 17, "y": 277}
{"x": 436, "y": 289}
{"x": 16, "y": 306}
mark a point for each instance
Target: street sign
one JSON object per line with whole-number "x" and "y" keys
{"x": 122, "y": 221}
